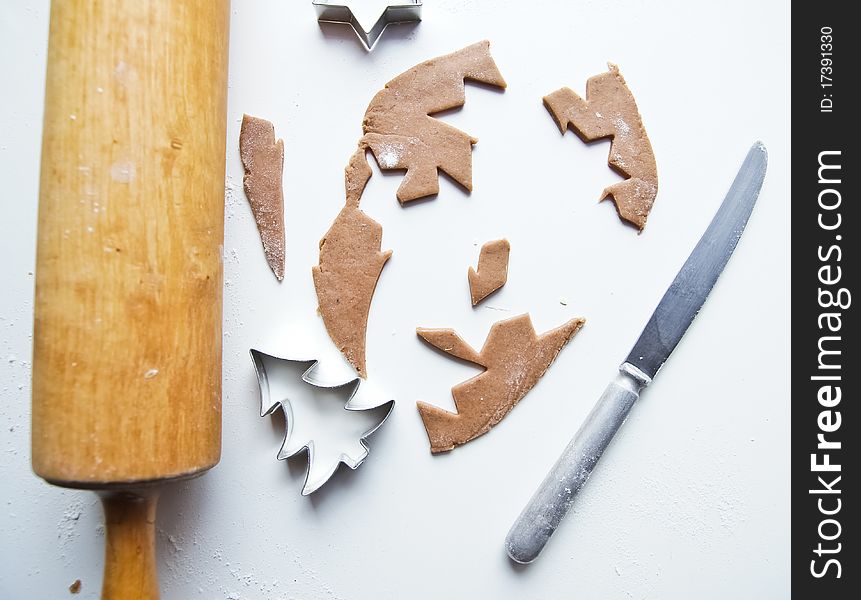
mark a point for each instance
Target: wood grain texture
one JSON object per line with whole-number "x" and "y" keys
{"x": 127, "y": 338}
{"x": 130, "y": 567}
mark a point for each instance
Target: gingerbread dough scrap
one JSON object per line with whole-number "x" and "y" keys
{"x": 349, "y": 267}
{"x": 263, "y": 160}
{"x": 514, "y": 358}
{"x": 610, "y": 111}
{"x": 401, "y": 133}
{"x": 492, "y": 270}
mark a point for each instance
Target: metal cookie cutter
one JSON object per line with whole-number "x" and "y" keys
{"x": 331, "y": 422}
{"x": 406, "y": 11}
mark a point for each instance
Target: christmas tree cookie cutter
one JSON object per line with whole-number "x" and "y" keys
{"x": 406, "y": 11}
{"x": 330, "y": 422}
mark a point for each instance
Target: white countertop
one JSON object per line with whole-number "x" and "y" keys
{"x": 692, "y": 498}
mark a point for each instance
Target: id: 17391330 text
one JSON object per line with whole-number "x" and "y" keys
{"x": 826, "y": 69}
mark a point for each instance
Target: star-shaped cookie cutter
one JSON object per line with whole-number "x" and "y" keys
{"x": 407, "y": 11}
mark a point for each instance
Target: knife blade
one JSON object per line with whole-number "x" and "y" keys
{"x": 672, "y": 317}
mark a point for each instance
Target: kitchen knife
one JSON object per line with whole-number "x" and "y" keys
{"x": 675, "y": 312}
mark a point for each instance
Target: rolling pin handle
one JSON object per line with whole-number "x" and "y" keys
{"x": 130, "y": 566}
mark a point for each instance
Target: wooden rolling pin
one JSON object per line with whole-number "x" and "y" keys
{"x": 127, "y": 339}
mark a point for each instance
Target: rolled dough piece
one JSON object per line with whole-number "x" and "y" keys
{"x": 610, "y": 111}
{"x": 492, "y": 270}
{"x": 349, "y": 267}
{"x": 263, "y": 160}
{"x": 514, "y": 358}
{"x": 401, "y": 133}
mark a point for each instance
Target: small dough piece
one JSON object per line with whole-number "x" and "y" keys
{"x": 610, "y": 111}
{"x": 349, "y": 267}
{"x": 263, "y": 160}
{"x": 492, "y": 270}
{"x": 514, "y": 357}
{"x": 401, "y": 133}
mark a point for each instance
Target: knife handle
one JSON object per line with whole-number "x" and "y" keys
{"x": 556, "y": 494}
